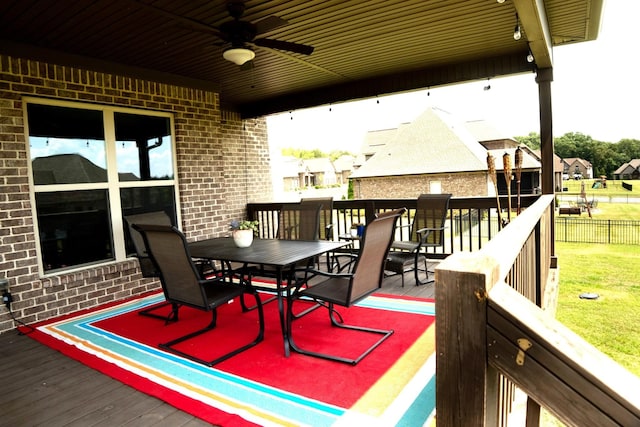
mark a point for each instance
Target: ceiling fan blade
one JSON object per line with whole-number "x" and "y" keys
{"x": 269, "y": 23}
{"x": 282, "y": 45}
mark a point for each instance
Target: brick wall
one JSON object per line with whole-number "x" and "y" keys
{"x": 411, "y": 186}
{"x": 223, "y": 163}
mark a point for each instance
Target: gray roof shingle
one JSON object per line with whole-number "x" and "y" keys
{"x": 433, "y": 143}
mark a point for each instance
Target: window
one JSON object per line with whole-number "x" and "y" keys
{"x": 91, "y": 166}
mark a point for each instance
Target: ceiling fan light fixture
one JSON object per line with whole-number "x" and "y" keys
{"x": 238, "y": 55}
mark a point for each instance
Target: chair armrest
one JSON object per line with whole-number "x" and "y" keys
{"x": 327, "y": 231}
{"x": 424, "y": 232}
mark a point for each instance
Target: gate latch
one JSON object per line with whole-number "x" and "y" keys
{"x": 524, "y": 345}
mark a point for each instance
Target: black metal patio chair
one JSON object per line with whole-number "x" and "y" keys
{"x": 346, "y": 289}
{"x": 427, "y": 231}
{"x": 183, "y": 284}
{"x": 296, "y": 221}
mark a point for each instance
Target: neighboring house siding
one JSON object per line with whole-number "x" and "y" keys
{"x": 411, "y": 186}
{"x": 221, "y": 167}
{"x": 630, "y": 170}
{"x": 577, "y": 165}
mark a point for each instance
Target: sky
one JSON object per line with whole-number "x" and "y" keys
{"x": 594, "y": 91}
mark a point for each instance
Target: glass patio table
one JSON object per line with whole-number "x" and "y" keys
{"x": 282, "y": 255}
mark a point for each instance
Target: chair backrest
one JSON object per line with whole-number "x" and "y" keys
{"x": 156, "y": 218}
{"x": 169, "y": 253}
{"x": 431, "y": 212}
{"x": 368, "y": 271}
{"x": 297, "y": 221}
{"x": 326, "y": 215}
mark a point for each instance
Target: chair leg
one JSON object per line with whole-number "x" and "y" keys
{"x": 169, "y": 345}
{"x": 426, "y": 272}
{"x": 337, "y": 323}
{"x": 247, "y": 272}
{"x": 315, "y": 305}
{"x": 246, "y": 308}
{"x": 171, "y": 317}
{"x": 307, "y": 311}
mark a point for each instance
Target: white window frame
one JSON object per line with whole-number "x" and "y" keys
{"x": 113, "y": 185}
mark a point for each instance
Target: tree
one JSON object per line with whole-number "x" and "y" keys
{"x": 300, "y": 153}
{"x": 338, "y": 153}
{"x": 314, "y": 153}
{"x": 572, "y": 145}
{"x": 532, "y": 140}
{"x": 628, "y": 148}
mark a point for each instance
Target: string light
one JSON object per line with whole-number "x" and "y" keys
{"x": 517, "y": 34}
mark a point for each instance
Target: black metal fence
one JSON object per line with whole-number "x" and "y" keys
{"x": 471, "y": 223}
{"x": 608, "y": 231}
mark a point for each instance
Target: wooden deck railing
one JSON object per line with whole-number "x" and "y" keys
{"x": 471, "y": 223}
{"x": 492, "y": 325}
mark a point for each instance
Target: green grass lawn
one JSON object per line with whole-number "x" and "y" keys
{"x": 611, "y": 323}
{"x": 614, "y": 187}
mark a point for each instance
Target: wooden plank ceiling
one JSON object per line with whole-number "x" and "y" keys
{"x": 361, "y": 48}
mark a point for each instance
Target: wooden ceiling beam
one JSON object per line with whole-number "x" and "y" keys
{"x": 533, "y": 19}
{"x": 515, "y": 63}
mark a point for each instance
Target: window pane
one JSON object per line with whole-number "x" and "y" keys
{"x": 67, "y": 145}
{"x": 143, "y": 147}
{"x": 74, "y": 228}
{"x": 143, "y": 200}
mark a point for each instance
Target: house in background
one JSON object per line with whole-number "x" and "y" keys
{"x": 576, "y": 167}
{"x": 290, "y": 169}
{"x": 629, "y": 170}
{"x": 438, "y": 154}
{"x": 343, "y": 167}
{"x": 558, "y": 169}
{"x": 318, "y": 172}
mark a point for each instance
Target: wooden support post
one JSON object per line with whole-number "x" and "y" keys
{"x": 544, "y": 78}
{"x": 466, "y": 389}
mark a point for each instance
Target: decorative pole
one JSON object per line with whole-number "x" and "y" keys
{"x": 506, "y": 162}
{"x": 518, "y": 175}
{"x": 491, "y": 165}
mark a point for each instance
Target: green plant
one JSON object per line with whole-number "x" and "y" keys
{"x": 245, "y": 225}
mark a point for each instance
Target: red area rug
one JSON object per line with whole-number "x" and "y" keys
{"x": 394, "y": 385}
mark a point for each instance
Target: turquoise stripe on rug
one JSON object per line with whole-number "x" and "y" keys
{"x": 256, "y": 402}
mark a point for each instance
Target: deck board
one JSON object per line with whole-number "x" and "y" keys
{"x": 44, "y": 387}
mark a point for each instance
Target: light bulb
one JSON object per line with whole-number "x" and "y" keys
{"x": 517, "y": 35}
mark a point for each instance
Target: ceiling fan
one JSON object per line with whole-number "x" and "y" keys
{"x": 238, "y": 35}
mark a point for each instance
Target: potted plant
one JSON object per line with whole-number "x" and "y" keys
{"x": 243, "y": 232}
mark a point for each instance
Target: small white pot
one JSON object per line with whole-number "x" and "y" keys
{"x": 243, "y": 238}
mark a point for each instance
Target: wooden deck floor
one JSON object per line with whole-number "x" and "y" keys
{"x": 43, "y": 387}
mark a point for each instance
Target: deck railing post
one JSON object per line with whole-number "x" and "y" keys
{"x": 466, "y": 389}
